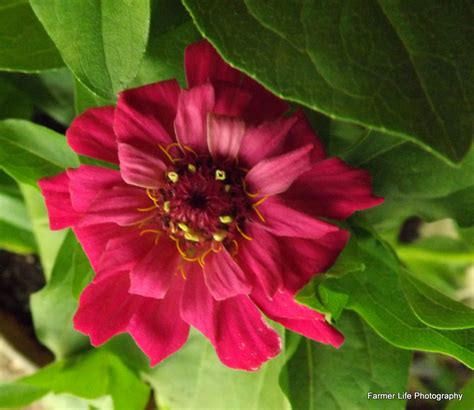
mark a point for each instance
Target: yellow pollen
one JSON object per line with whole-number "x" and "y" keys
{"x": 225, "y": 219}
{"x": 191, "y": 168}
{"x": 183, "y": 227}
{"x": 191, "y": 236}
{"x": 173, "y": 177}
{"x": 220, "y": 175}
{"x": 219, "y": 236}
{"x": 166, "y": 206}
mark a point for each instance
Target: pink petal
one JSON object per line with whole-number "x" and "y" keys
{"x": 244, "y": 340}
{"x": 141, "y": 167}
{"x": 332, "y": 189}
{"x": 302, "y": 259}
{"x": 152, "y": 275}
{"x": 58, "y": 201}
{"x": 203, "y": 65}
{"x": 223, "y": 276}
{"x": 224, "y": 136}
{"x": 191, "y": 119}
{"x": 261, "y": 260}
{"x": 92, "y": 134}
{"x": 145, "y": 115}
{"x": 274, "y": 175}
{"x": 265, "y": 140}
{"x": 88, "y": 181}
{"x": 231, "y": 101}
{"x": 282, "y": 308}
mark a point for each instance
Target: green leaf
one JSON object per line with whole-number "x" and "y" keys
{"x": 398, "y": 67}
{"x": 192, "y": 378}
{"x": 102, "y": 42}
{"x": 54, "y": 306}
{"x": 24, "y": 45}
{"x": 321, "y": 377}
{"x": 434, "y": 308}
{"x": 376, "y": 295}
{"x": 89, "y": 375}
{"x": 29, "y": 152}
{"x": 467, "y": 400}
{"x": 13, "y": 102}
{"x": 84, "y": 99}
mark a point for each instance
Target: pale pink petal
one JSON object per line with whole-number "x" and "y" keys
{"x": 92, "y": 134}
{"x": 152, "y": 274}
{"x": 261, "y": 259}
{"x": 223, "y": 276}
{"x": 274, "y": 175}
{"x": 244, "y": 340}
{"x": 204, "y": 65}
{"x": 224, "y": 136}
{"x": 231, "y": 101}
{"x": 191, "y": 119}
{"x": 332, "y": 189}
{"x": 282, "y": 220}
{"x": 145, "y": 115}
{"x": 58, "y": 201}
{"x": 265, "y": 140}
{"x": 88, "y": 181}
{"x": 141, "y": 168}
{"x": 282, "y": 308}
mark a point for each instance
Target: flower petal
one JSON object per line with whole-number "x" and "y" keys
{"x": 191, "y": 119}
{"x": 203, "y": 65}
{"x": 283, "y": 308}
{"x": 145, "y": 115}
{"x": 224, "y": 277}
{"x": 153, "y": 274}
{"x": 92, "y": 134}
{"x": 58, "y": 201}
{"x": 244, "y": 340}
{"x": 274, "y": 175}
{"x": 332, "y": 189}
{"x": 141, "y": 168}
{"x": 224, "y": 136}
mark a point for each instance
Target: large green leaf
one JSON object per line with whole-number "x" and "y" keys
{"x": 90, "y": 375}
{"x": 194, "y": 378}
{"x": 53, "y": 306}
{"x": 467, "y": 400}
{"x": 376, "y": 295}
{"x": 102, "y": 41}
{"x": 29, "y": 152}
{"x": 24, "y": 45}
{"x": 321, "y": 377}
{"x": 396, "y": 66}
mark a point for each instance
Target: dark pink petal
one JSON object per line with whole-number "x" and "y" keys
{"x": 283, "y": 220}
{"x": 282, "y": 308}
{"x": 141, "y": 167}
{"x": 332, "y": 189}
{"x": 203, "y": 65}
{"x": 151, "y": 276}
{"x": 58, "y": 201}
{"x": 121, "y": 205}
{"x": 265, "y": 140}
{"x": 198, "y": 307}
{"x": 274, "y": 175}
{"x": 244, "y": 340}
{"x": 223, "y": 276}
{"x": 302, "y": 259}
{"x": 92, "y": 134}
{"x": 224, "y": 136}
{"x": 145, "y": 115}
{"x": 260, "y": 258}
{"x": 231, "y": 101}
{"x": 191, "y": 119}
{"x": 88, "y": 181}
{"x": 106, "y": 309}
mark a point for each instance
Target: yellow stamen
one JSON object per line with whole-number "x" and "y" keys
{"x": 190, "y": 150}
{"x": 243, "y": 234}
{"x": 249, "y": 194}
{"x": 192, "y": 236}
{"x": 168, "y": 155}
{"x": 166, "y": 206}
{"x": 183, "y": 227}
{"x": 225, "y": 219}
{"x": 183, "y": 254}
{"x": 146, "y": 209}
{"x": 191, "y": 168}
{"x": 236, "y": 250}
{"x": 259, "y": 214}
{"x": 220, "y": 175}
{"x": 149, "y": 193}
{"x": 149, "y": 231}
{"x": 219, "y": 247}
{"x": 173, "y": 177}
{"x": 182, "y": 271}
{"x": 219, "y": 236}
{"x": 261, "y": 201}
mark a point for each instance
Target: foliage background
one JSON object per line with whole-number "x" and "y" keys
{"x": 388, "y": 85}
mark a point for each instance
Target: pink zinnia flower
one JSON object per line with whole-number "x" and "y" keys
{"x": 213, "y": 217}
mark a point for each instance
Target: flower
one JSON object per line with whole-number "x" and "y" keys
{"x": 213, "y": 217}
